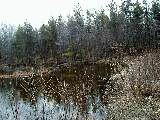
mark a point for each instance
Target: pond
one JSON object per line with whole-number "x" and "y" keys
{"x": 67, "y": 93}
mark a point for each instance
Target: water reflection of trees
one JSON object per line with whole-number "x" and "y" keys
{"x": 74, "y": 84}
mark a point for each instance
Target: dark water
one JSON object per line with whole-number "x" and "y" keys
{"x": 67, "y": 93}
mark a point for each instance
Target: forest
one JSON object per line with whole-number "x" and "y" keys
{"x": 94, "y": 65}
{"x": 128, "y": 29}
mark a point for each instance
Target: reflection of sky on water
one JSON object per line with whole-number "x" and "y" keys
{"x": 46, "y": 109}
{"x": 70, "y": 94}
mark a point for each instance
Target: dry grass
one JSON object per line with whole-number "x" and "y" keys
{"x": 138, "y": 94}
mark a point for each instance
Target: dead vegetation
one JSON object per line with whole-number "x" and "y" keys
{"x": 138, "y": 94}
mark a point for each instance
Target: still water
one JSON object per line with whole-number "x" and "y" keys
{"x": 68, "y": 93}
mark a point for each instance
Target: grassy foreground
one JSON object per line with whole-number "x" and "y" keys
{"x": 137, "y": 89}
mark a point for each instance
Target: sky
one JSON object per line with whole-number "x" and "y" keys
{"x": 38, "y": 12}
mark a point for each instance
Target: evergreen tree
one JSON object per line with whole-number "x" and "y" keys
{"x": 52, "y": 30}
{"x": 24, "y": 44}
{"x": 48, "y": 39}
{"x": 155, "y": 11}
{"x": 137, "y": 24}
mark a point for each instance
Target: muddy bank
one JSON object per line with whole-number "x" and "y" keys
{"x": 22, "y": 71}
